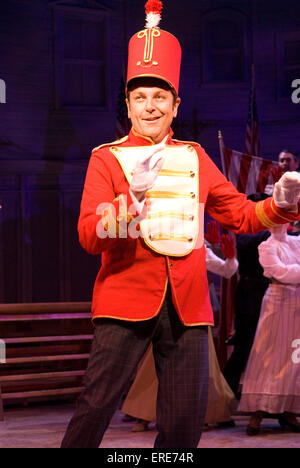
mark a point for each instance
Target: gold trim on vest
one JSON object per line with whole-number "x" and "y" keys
{"x": 165, "y": 194}
{"x": 173, "y": 221}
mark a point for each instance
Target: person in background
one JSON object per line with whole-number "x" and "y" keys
{"x": 251, "y": 287}
{"x": 213, "y": 244}
{"x": 272, "y": 377}
{"x": 288, "y": 160}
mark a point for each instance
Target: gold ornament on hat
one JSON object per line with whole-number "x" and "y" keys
{"x": 153, "y": 16}
{"x": 149, "y": 35}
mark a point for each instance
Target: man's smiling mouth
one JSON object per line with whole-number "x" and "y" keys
{"x": 152, "y": 119}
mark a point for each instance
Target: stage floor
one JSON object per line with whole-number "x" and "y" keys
{"x": 43, "y": 426}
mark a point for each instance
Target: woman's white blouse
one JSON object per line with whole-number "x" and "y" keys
{"x": 280, "y": 258}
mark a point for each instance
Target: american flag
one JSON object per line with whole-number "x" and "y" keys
{"x": 248, "y": 173}
{"x": 252, "y": 144}
{"x": 123, "y": 123}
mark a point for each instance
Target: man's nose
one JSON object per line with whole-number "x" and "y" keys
{"x": 149, "y": 105}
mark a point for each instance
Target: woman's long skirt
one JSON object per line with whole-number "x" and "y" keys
{"x": 272, "y": 377}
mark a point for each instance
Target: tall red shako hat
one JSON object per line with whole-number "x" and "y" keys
{"x": 153, "y": 52}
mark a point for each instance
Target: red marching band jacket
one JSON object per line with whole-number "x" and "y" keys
{"x": 133, "y": 279}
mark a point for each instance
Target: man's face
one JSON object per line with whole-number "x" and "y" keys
{"x": 152, "y": 110}
{"x": 287, "y": 162}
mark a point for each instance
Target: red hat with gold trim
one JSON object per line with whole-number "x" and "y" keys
{"x": 154, "y": 52}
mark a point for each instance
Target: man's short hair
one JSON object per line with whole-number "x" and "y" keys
{"x": 295, "y": 155}
{"x": 150, "y": 81}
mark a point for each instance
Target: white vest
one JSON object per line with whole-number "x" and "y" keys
{"x": 174, "y": 217}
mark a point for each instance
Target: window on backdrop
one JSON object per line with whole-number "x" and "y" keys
{"x": 81, "y": 48}
{"x": 288, "y": 63}
{"x": 223, "y": 47}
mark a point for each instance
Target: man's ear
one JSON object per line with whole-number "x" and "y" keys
{"x": 128, "y": 107}
{"x": 176, "y": 105}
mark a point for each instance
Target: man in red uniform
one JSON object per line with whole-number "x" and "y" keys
{"x": 142, "y": 209}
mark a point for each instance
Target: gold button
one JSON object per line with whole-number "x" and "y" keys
{"x": 191, "y": 217}
{"x": 192, "y": 174}
{"x": 190, "y": 148}
{"x": 171, "y": 265}
{"x": 129, "y": 218}
{"x": 193, "y": 195}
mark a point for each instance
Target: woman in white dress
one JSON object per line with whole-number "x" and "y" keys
{"x": 272, "y": 378}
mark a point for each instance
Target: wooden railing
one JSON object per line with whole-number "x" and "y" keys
{"x": 47, "y": 348}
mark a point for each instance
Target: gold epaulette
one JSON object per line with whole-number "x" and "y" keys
{"x": 113, "y": 143}
{"x": 193, "y": 143}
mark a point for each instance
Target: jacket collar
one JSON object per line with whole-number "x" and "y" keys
{"x": 141, "y": 140}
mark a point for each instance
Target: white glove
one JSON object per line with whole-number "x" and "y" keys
{"x": 147, "y": 168}
{"x": 287, "y": 191}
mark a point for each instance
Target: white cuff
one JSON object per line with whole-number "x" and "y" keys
{"x": 287, "y": 191}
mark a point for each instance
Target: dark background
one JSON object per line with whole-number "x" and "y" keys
{"x": 62, "y": 64}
